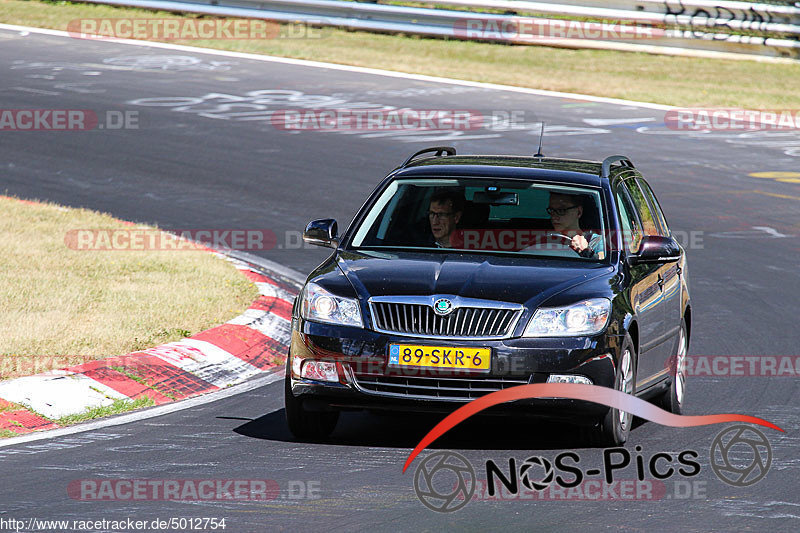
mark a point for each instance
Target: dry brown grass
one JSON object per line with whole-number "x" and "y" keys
{"x": 61, "y": 306}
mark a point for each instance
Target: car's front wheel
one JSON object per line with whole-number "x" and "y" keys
{"x": 673, "y": 398}
{"x": 614, "y": 428}
{"x": 311, "y": 425}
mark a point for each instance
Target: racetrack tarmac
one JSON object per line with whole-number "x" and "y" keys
{"x": 206, "y": 155}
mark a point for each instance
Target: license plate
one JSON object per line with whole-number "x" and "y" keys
{"x": 440, "y": 356}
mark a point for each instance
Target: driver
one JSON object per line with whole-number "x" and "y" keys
{"x": 444, "y": 213}
{"x": 565, "y": 211}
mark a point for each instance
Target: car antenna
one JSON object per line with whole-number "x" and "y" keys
{"x": 539, "y": 153}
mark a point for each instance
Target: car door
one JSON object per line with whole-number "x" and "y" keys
{"x": 670, "y": 275}
{"x": 646, "y": 284}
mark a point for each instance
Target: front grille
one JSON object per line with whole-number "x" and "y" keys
{"x": 434, "y": 388}
{"x": 464, "y": 322}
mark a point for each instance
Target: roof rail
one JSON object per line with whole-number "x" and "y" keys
{"x": 438, "y": 149}
{"x": 605, "y": 171}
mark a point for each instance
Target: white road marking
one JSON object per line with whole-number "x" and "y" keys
{"x": 349, "y": 68}
{"x": 36, "y": 91}
{"x": 82, "y": 88}
{"x": 771, "y": 231}
{"x": 613, "y": 121}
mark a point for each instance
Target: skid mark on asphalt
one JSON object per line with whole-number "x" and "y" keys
{"x": 60, "y": 444}
{"x": 753, "y": 509}
{"x": 788, "y": 142}
{"x": 758, "y": 232}
{"x": 271, "y": 106}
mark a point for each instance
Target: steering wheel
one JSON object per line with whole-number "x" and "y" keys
{"x": 553, "y": 234}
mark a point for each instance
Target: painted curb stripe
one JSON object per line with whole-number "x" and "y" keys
{"x": 59, "y": 393}
{"x": 272, "y": 290}
{"x": 23, "y": 421}
{"x": 255, "y": 277}
{"x": 247, "y": 344}
{"x": 101, "y": 371}
{"x": 273, "y": 326}
{"x": 167, "y": 378}
{"x": 212, "y": 363}
{"x": 277, "y": 306}
{"x": 163, "y": 382}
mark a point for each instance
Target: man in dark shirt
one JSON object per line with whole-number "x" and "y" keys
{"x": 444, "y": 213}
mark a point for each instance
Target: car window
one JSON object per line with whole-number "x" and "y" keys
{"x": 631, "y": 231}
{"x": 488, "y": 215}
{"x": 640, "y": 202}
{"x": 656, "y": 208}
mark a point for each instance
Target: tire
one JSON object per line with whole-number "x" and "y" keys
{"x": 614, "y": 428}
{"x": 306, "y": 425}
{"x": 673, "y": 398}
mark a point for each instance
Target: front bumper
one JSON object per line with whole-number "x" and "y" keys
{"x": 367, "y": 382}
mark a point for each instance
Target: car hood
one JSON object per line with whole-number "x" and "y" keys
{"x": 523, "y": 280}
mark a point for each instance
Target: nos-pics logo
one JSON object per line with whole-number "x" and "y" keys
{"x": 445, "y": 481}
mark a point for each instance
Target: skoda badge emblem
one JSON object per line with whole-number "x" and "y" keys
{"x": 442, "y": 306}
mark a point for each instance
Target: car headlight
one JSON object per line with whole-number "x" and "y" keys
{"x": 321, "y": 306}
{"x": 583, "y": 318}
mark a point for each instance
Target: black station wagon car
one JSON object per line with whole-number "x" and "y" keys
{"x": 464, "y": 275}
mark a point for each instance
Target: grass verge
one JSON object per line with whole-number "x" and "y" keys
{"x": 63, "y": 306}
{"x": 669, "y": 80}
{"x": 118, "y": 407}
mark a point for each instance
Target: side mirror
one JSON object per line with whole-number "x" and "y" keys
{"x": 322, "y": 232}
{"x": 655, "y": 249}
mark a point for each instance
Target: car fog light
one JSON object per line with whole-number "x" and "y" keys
{"x": 569, "y": 378}
{"x": 320, "y": 371}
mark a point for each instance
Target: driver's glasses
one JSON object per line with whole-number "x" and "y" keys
{"x": 559, "y": 212}
{"x": 439, "y": 215}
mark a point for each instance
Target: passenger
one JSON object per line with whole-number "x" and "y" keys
{"x": 444, "y": 213}
{"x": 565, "y": 211}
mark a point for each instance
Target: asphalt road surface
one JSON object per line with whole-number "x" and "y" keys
{"x": 198, "y": 150}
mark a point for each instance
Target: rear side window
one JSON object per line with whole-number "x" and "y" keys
{"x": 659, "y": 215}
{"x": 649, "y": 224}
{"x": 631, "y": 231}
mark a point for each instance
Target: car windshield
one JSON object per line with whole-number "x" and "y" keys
{"x": 486, "y": 215}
